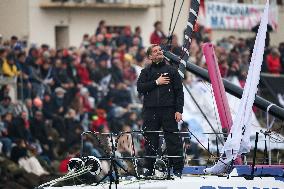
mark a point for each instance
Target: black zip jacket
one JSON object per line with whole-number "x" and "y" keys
{"x": 161, "y": 95}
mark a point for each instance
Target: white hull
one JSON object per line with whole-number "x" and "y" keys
{"x": 192, "y": 182}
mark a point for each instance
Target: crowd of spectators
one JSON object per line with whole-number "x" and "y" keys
{"x": 234, "y": 55}
{"x": 64, "y": 92}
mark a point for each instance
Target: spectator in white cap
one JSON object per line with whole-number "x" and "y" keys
{"x": 58, "y": 102}
{"x": 87, "y": 99}
{"x": 60, "y": 91}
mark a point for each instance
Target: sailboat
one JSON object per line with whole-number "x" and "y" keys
{"x": 225, "y": 173}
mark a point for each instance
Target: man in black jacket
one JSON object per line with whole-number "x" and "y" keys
{"x": 163, "y": 102}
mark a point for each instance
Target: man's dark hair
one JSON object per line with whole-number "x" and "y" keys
{"x": 21, "y": 54}
{"x": 45, "y": 46}
{"x": 2, "y": 50}
{"x": 137, "y": 28}
{"x": 14, "y": 38}
{"x": 102, "y": 22}
{"x": 149, "y": 50}
{"x": 11, "y": 56}
{"x": 157, "y": 23}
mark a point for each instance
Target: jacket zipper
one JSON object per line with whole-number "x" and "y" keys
{"x": 158, "y": 96}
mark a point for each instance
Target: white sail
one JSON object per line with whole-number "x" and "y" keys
{"x": 238, "y": 140}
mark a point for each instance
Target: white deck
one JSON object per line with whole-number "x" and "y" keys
{"x": 192, "y": 182}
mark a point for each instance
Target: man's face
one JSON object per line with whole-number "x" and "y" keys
{"x": 60, "y": 94}
{"x": 38, "y": 116}
{"x": 6, "y": 102}
{"x": 22, "y": 59}
{"x": 24, "y": 115}
{"x": 159, "y": 27}
{"x": 11, "y": 61}
{"x": 157, "y": 54}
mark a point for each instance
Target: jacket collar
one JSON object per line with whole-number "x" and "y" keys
{"x": 160, "y": 64}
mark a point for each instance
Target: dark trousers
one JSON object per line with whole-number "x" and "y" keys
{"x": 154, "y": 120}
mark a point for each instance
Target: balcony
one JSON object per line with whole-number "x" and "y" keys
{"x": 99, "y": 4}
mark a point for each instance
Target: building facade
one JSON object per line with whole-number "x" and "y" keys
{"x": 62, "y": 23}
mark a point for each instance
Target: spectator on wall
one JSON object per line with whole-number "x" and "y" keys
{"x": 126, "y": 37}
{"x": 5, "y": 139}
{"x": 273, "y": 61}
{"x": 24, "y": 85}
{"x": 137, "y": 33}
{"x": 158, "y": 35}
{"x": 4, "y": 91}
{"x": 3, "y": 54}
{"x": 175, "y": 47}
{"x": 6, "y": 106}
{"x": 9, "y": 66}
{"x": 73, "y": 129}
{"x": 102, "y": 25}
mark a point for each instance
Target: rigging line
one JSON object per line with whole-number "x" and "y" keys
{"x": 215, "y": 112}
{"x": 177, "y": 17}
{"x": 170, "y": 35}
{"x": 213, "y": 102}
{"x": 170, "y": 27}
{"x": 203, "y": 114}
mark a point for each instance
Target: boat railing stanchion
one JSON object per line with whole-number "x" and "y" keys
{"x": 254, "y": 155}
{"x": 269, "y": 150}
{"x": 265, "y": 156}
{"x": 208, "y": 148}
{"x": 217, "y": 146}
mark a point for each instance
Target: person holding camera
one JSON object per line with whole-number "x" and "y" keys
{"x": 161, "y": 86}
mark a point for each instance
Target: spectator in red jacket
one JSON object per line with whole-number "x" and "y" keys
{"x": 84, "y": 73}
{"x": 273, "y": 61}
{"x": 99, "y": 121}
{"x": 158, "y": 34}
{"x": 63, "y": 165}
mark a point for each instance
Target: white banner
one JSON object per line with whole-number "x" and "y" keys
{"x": 237, "y": 16}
